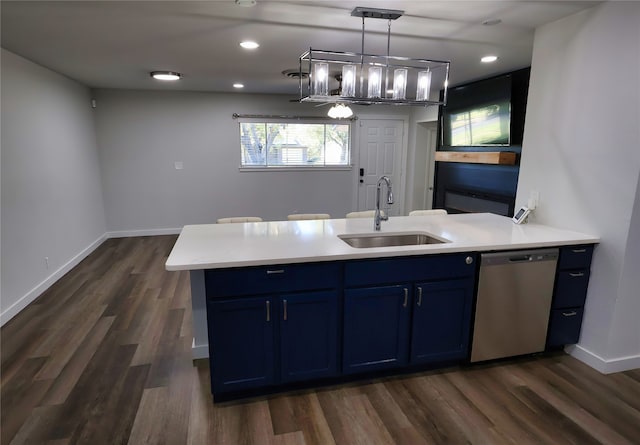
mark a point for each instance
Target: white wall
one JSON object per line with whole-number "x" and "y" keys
{"x": 624, "y": 338}
{"x": 143, "y": 133}
{"x": 581, "y": 152}
{"x": 51, "y": 194}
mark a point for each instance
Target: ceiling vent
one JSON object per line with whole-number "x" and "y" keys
{"x": 295, "y": 73}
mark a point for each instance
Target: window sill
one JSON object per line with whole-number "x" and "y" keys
{"x": 297, "y": 169}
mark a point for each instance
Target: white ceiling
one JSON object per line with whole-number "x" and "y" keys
{"x": 114, "y": 44}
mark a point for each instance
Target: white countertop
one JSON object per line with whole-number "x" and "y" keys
{"x": 213, "y": 246}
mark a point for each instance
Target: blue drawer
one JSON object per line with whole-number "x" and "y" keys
{"x": 571, "y": 288}
{"x": 401, "y": 269}
{"x": 576, "y": 257}
{"x": 564, "y": 326}
{"x": 272, "y": 279}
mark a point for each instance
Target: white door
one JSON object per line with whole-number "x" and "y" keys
{"x": 379, "y": 154}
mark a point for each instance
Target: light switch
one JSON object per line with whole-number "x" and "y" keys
{"x": 178, "y": 165}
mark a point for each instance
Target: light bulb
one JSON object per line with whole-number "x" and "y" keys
{"x": 348, "y": 81}
{"x": 374, "y": 83}
{"x": 340, "y": 111}
{"x": 320, "y": 79}
{"x": 399, "y": 83}
{"x": 424, "y": 85}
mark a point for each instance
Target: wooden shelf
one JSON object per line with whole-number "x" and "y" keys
{"x": 477, "y": 157}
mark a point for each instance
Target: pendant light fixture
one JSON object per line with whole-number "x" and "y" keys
{"x": 372, "y": 79}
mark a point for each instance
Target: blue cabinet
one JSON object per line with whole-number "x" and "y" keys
{"x": 280, "y": 331}
{"x": 241, "y": 345}
{"x": 376, "y": 328}
{"x": 426, "y": 319}
{"x": 571, "y": 288}
{"x": 564, "y": 326}
{"x": 567, "y": 307}
{"x": 308, "y": 336}
{"x": 275, "y": 326}
{"x": 441, "y": 321}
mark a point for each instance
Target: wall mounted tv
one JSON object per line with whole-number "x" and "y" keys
{"x": 480, "y": 114}
{"x": 484, "y": 125}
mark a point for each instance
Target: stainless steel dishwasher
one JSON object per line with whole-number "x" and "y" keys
{"x": 513, "y": 304}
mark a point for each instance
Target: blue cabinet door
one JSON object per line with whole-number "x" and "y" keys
{"x": 441, "y": 320}
{"x": 308, "y": 335}
{"x": 376, "y": 328}
{"x": 241, "y": 343}
{"x": 564, "y": 326}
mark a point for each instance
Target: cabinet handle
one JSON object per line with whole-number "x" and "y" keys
{"x": 406, "y": 297}
{"x": 284, "y": 302}
{"x": 271, "y": 272}
{"x": 419, "y": 296}
{"x": 268, "y": 304}
{"x": 468, "y": 260}
{"x": 576, "y": 274}
{"x": 569, "y": 314}
{"x": 578, "y": 250}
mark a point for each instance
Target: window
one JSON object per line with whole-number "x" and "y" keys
{"x": 286, "y": 144}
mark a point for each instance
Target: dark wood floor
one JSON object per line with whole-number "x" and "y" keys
{"x": 103, "y": 357}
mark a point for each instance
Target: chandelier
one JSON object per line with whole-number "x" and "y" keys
{"x": 369, "y": 79}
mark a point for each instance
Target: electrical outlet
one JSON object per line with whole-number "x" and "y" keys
{"x": 178, "y": 165}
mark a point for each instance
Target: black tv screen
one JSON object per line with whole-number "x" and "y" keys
{"x": 478, "y": 114}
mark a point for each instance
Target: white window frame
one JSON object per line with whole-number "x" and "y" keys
{"x": 270, "y": 120}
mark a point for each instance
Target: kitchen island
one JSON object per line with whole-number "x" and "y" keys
{"x": 265, "y": 283}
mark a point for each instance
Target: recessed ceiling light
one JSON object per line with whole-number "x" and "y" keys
{"x": 165, "y": 75}
{"x": 248, "y": 44}
{"x": 492, "y": 22}
{"x": 238, "y": 85}
{"x": 489, "y": 59}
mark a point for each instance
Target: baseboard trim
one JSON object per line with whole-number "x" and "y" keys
{"x": 34, "y": 293}
{"x": 200, "y": 351}
{"x": 149, "y": 232}
{"x": 605, "y": 366}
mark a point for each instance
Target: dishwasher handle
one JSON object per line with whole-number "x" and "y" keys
{"x": 523, "y": 256}
{"x": 520, "y": 259}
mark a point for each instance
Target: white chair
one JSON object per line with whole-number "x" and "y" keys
{"x": 428, "y": 212}
{"x": 239, "y": 219}
{"x": 304, "y": 216}
{"x": 362, "y": 214}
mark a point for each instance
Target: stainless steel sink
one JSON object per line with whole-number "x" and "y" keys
{"x": 391, "y": 239}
